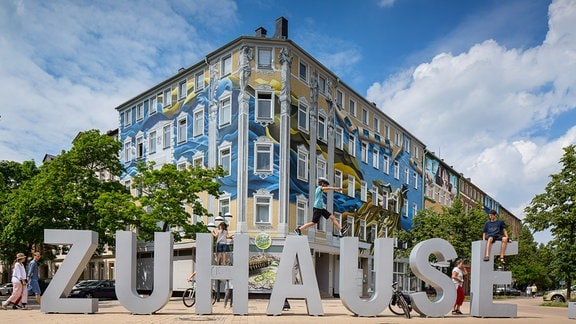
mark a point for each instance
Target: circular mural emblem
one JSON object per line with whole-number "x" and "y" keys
{"x": 263, "y": 241}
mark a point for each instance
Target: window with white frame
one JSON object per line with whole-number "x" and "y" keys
{"x": 386, "y": 165}
{"x": 166, "y": 136}
{"x": 337, "y": 178}
{"x": 362, "y": 230}
{"x": 339, "y": 98}
{"x": 182, "y": 126}
{"x": 302, "y": 163}
{"x": 224, "y": 204}
{"x": 127, "y": 117}
{"x": 364, "y": 152}
{"x": 321, "y": 166}
{"x": 415, "y": 179}
{"x": 416, "y": 153}
{"x": 224, "y": 158}
{"x": 398, "y": 138}
{"x": 375, "y": 195}
{"x": 350, "y": 222}
{"x": 198, "y": 129}
{"x": 365, "y": 116}
{"x": 385, "y": 198}
{"x": 335, "y": 230}
{"x": 301, "y": 210}
{"x": 339, "y": 137}
{"x": 182, "y": 165}
{"x": 387, "y": 131}
{"x": 226, "y": 67}
{"x": 303, "y": 119}
{"x": 225, "y": 115}
{"x": 376, "y": 157}
{"x": 373, "y": 234}
{"x": 322, "y": 129}
{"x": 263, "y": 156}
{"x": 414, "y": 209}
{"x": 139, "y": 147}
{"x": 264, "y": 107}
{"x": 322, "y": 84}
{"x": 352, "y": 107}
{"x": 152, "y": 142}
{"x": 167, "y": 97}
{"x": 406, "y": 175}
{"x": 351, "y": 144}
{"x": 265, "y": 58}
{"x": 407, "y": 144}
{"x": 198, "y": 159}
{"x": 376, "y": 125}
{"x": 263, "y": 206}
{"x": 199, "y": 81}
{"x": 127, "y": 149}
{"x": 153, "y": 105}
{"x": 182, "y": 89}
{"x": 396, "y": 170}
{"x": 363, "y": 190}
{"x": 351, "y": 186}
{"x": 405, "y": 208}
{"x": 303, "y": 71}
{"x": 140, "y": 111}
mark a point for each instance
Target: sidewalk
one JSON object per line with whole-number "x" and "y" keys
{"x": 529, "y": 311}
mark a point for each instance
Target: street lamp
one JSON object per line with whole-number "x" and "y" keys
{"x": 227, "y": 218}
{"x": 211, "y": 226}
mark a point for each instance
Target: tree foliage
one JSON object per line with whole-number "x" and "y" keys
{"x": 555, "y": 209}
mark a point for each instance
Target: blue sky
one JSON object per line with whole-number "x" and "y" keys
{"x": 488, "y": 85}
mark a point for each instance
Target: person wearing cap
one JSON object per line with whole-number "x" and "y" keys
{"x": 19, "y": 284}
{"x": 494, "y": 230}
{"x": 319, "y": 209}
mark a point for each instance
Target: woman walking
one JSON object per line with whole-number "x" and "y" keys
{"x": 19, "y": 284}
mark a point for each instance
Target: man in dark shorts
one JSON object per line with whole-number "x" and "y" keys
{"x": 320, "y": 208}
{"x": 494, "y": 230}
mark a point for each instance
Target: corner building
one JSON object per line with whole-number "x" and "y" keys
{"x": 276, "y": 119}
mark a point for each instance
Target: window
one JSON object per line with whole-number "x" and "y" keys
{"x": 153, "y": 105}
{"x": 416, "y": 154}
{"x": 373, "y": 234}
{"x": 387, "y": 131}
{"x": 181, "y": 165}
{"x": 385, "y": 199}
{"x": 414, "y": 209}
{"x": 302, "y": 163}
{"x": 265, "y": 58}
{"x": 199, "y": 81}
{"x": 321, "y": 166}
{"x": 127, "y": 149}
{"x": 264, "y": 107}
{"x": 224, "y": 204}
{"x": 376, "y": 125}
{"x": 321, "y": 84}
{"x": 322, "y": 128}
{"x": 303, "y": 119}
{"x": 127, "y": 117}
{"x": 198, "y": 159}
{"x": 182, "y": 90}
{"x": 352, "y": 107}
{"x": 335, "y": 231}
{"x": 386, "y": 166}
{"x": 351, "y": 145}
{"x": 139, "y": 147}
{"x": 226, "y": 67}
{"x": 303, "y": 71}
{"x": 152, "y": 142}
{"x": 363, "y": 190}
{"x": 225, "y": 115}
{"x": 224, "y": 159}
{"x": 406, "y": 175}
{"x": 365, "y": 116}
{"x": 167, "y": 97}
{"x": 407, "y": 144}
{"x": 364, "y": 152}
{"x": 337, "y": 178}
{"x": 198, "y": 128}
{"x": 396, "y": 170}
{"x": 263, "y": 206}
{"x": 182, "y": 134}
{"x": 166, "y": 136}
{"x": 339, "y": 98}
{"x": 301, "y": 210}
{"x": 362, "y": 231}
{"x": 375, "y": 157}
{"x": 263, "y": 155}
{"x": 374, "y": 195}
{"x": 415, "y": 180}
{"x": 139, "y": 111}
{"x": 398, "y": 140}
{"x": 351, "y": 186}
{"x": 339, "y": 137}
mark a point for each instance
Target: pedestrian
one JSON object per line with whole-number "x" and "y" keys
{"x": 18, "y": 284}
{"x": 319, "y": 209}
{"x": 494, "y": 230}
{"x": 229, "y": 293}
{"x": 534, "y": 290}
{"x": 222, "y": 237}
{"x": 528, "y": 291}
{"x": 458, "y": 274}
{"x": 33, "y": 285}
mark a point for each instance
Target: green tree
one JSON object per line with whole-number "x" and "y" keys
{"x": 165, "y": 192}
{"x": 529, "y": 265}
{"x": 555, "y": 209}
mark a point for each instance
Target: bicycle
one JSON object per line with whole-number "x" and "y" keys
{"x": 400, "y": 303}
{"x": 189, "y": 296}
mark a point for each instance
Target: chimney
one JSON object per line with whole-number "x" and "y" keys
{"x": 281, "y": 28}
{"x": 260, "y": 32}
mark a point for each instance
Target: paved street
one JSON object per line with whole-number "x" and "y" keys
{"x": 529, "y": 311}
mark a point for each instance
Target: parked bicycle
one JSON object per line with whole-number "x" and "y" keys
{"x": 189, "y": 296}
{"x": 400, "y": 303}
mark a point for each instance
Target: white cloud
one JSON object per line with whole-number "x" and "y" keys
{"x": 386, "y": 3}
{"x": 486, "y": 109}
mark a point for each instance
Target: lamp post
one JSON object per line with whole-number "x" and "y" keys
{"x": 227, "y": 218}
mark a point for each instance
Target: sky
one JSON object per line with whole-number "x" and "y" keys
{"x": 488, "y": 85}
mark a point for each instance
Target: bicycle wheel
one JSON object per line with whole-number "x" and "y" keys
{"x": 189, "y": 297}
{"x": 395, "y": 307}
{"x": 214, "y": 296}
{"x": 404, "y": 305}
